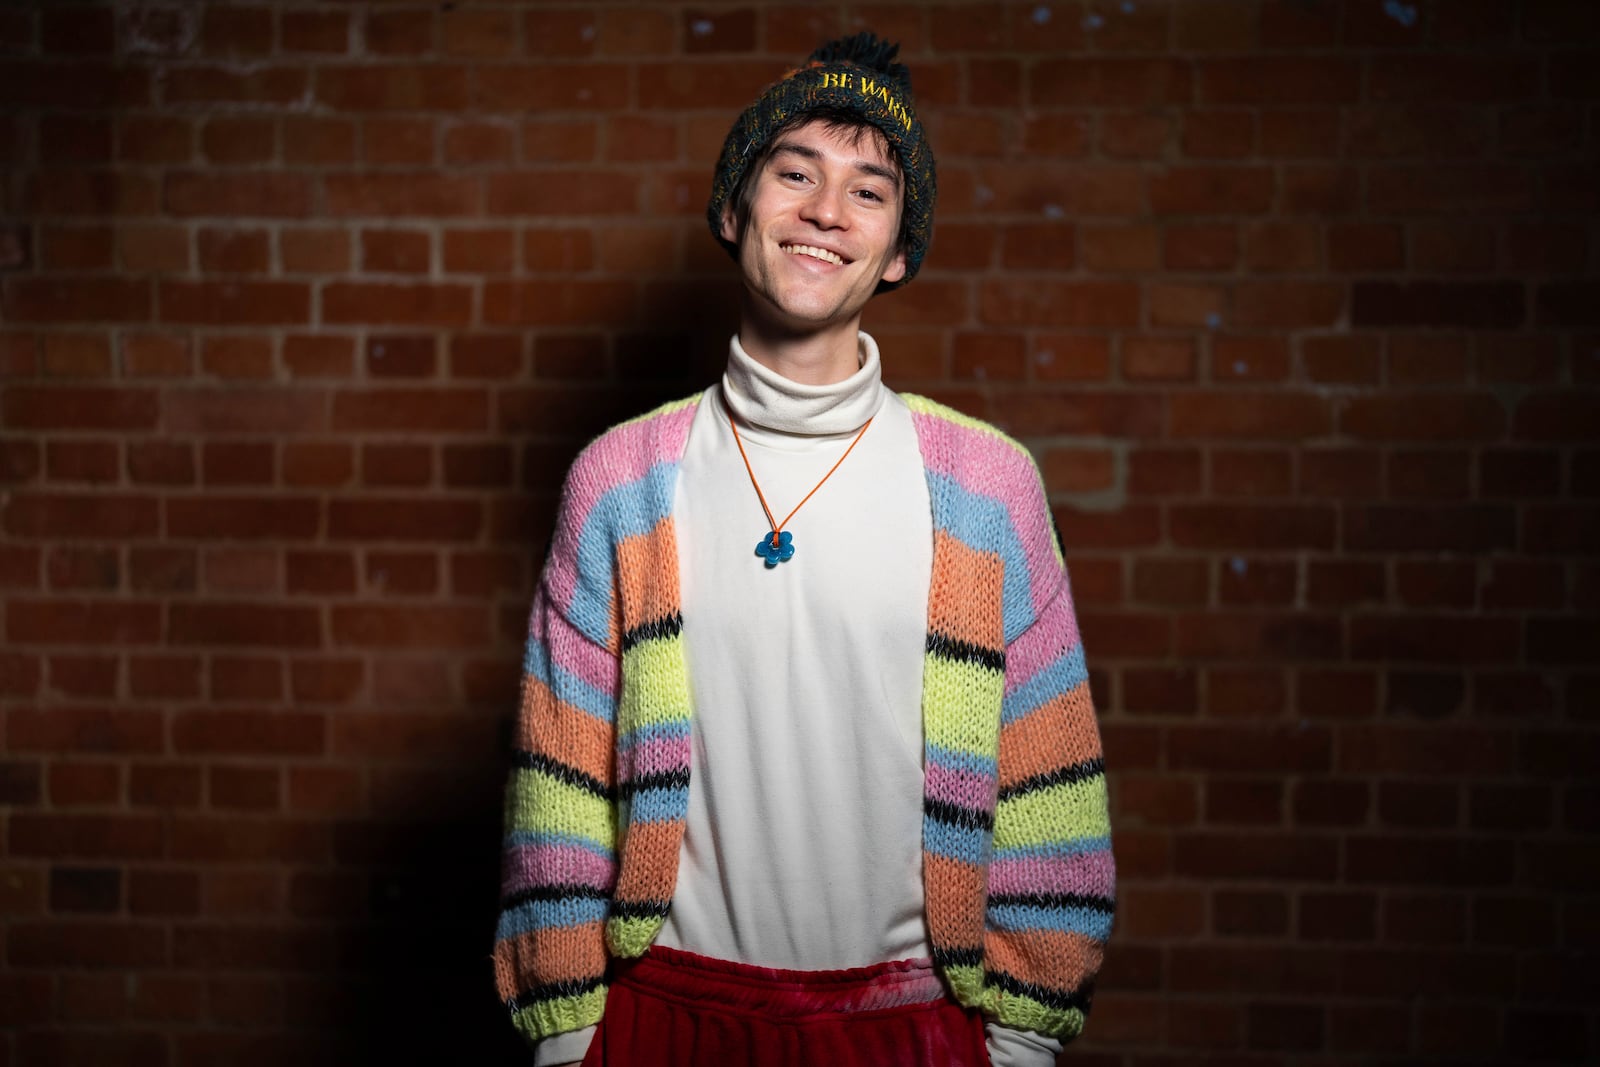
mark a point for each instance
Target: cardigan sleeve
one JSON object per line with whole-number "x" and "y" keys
{"x": 560, "y": 826}
{"x": 1051, "y": 886}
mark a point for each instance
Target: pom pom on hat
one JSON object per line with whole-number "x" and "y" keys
{"x": 858, "y": 73}
{"x": 864, "y": 50}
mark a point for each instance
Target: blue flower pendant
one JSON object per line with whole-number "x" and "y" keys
{"x": 775, "y": 554}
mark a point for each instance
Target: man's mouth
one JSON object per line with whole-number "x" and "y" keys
{"x": 814, "y": 252}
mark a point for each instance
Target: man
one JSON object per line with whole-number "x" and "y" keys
{"x": 840, "y": 799}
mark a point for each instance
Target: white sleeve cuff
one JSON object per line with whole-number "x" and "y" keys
{"x": 1020, "y": 1048}
{"x": 570, "y": 1047}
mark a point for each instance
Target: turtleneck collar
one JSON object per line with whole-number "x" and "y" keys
{"x": 763, "y": 398}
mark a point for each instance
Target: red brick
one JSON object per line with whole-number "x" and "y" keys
{"x": 1057, "y": 135}
{"x": 1258, "y": 635}
{"x": 1260, "y": 856}
{"x": 398, "y": 141}
{"x": 1200, "y": 247}
{"x": 411, "y": 410}
{"x": 235, "y": 303}
{"x": 989, "y": 355}
{"x": 318, "y": 32}
{"x": 397, "y": 305}
{"x": 1330, "y": 803}
{"x": 76, "y": 300}
{"x": 231, "y": 196}
{"x": 325, "y": 790}
{"x": 399, "y": 32}
{"x": 238, "y": 140}
{"x": 319, "y": 251}
{"x": 1120, "y": 249}
{"x": 563, "y": 193}
{"x": 1423, "y": 417}
{"x": 524, "y": 88}
{"x": 1265, "y": 415}
{"x": 1343, "y": 360}
{"x": 559, "y": 141}
{"x": 1285, "y": 1026}
{"x": 162, "y": 998}
{"x": 446, "y": 520}
{"x": 122, "y": 946}
{"x": 1279, "y": 80}
{"x": 485, "y": 357}
{"x": 244, "y": 788}
{"x": 478, "y": 33}
{"x": 421, "y": 733}
{"x": 1430, "y": 475}
{"x": 1254, "y": 748}
{"x": 392, "y": 465}
{"x": 393, "y": 88}
{"x": 1299, "y": 134}
{"x": 1084, "y": 82}
{"x": 1428, "y": 861}
{"x": 1212, "y": 191}
{"x": 1243, "y": 802}
{"x": 85, "y": 784}
{"x": 318, "y": 141}
{"x": 1453, "y": 79}
{"x": 1158, "y": 359}
{"x": 42, "y": 515}
{"x": 1049, "y": 303}
{"x": 1134, "y": 135}
{"x": 214, "y": 85}
{"x": 1514, "y": 584}
{"x": 1249, "y": 913}
{"x": 1035, "y": 247}
{"x": 596, "y": 303}
{"x": 474, "y": 143}
{"x": 234, "y": 251}
{"x": 389, "y": 195}
{"x": 1418, "y": 804}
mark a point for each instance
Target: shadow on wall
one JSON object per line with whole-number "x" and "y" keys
{"x": 423, "y": 988}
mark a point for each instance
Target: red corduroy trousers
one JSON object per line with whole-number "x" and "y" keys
{"x": 674, "y": 1009}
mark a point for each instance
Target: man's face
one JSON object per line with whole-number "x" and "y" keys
{"x": 821, "y": 228}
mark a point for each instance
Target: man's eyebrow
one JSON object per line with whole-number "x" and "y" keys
{"x": 866, "y": 166}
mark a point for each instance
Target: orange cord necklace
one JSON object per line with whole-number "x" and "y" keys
{"x": 777, "y": 546}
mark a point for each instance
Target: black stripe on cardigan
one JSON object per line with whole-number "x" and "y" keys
{"x": 955, "y": 815}
{"x": 654, "y": 630}
{"x": 678, "y": 779}
{"x": 553, "y": 892}
{"x": 1060, "y": 999}
{"x": 537, "y": 761}
{"x": 964, "y": 652}
{"x": 552, "y": 991}
{"x": 1088, "y": 770}
{"x": 1092, "y": 901}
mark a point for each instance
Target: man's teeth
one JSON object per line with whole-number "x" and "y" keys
{"x": 817, "y": 253}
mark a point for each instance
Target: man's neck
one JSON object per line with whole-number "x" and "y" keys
{"x": 822, "y": 357}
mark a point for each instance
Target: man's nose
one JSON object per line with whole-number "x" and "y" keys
{"x": 825, "y": 206}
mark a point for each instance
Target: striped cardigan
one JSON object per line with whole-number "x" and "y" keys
{"x": 1017, "y": 865}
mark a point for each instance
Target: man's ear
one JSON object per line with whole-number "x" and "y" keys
{"x": 730, "y": 222}
{"x": 896, "y": 268}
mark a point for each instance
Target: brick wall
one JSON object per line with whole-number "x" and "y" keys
{"x": 307, "y": 306}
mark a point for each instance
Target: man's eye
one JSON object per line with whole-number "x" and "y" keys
{"x": 870, "y": 195}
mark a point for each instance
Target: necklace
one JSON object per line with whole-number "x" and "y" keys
{"x": 778, "y": 545}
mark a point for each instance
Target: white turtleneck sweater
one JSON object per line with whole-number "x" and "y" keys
{"x": 806, "y": 681}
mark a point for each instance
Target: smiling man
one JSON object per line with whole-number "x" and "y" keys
{"x": 840, "y": 799}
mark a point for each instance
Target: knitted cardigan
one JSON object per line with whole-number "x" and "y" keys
{"x": 1017, "y": 866}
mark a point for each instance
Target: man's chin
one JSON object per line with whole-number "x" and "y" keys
{"x": 802, "y": 312}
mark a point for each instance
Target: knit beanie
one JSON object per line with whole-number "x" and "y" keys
{"x": 856, "y": 74}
